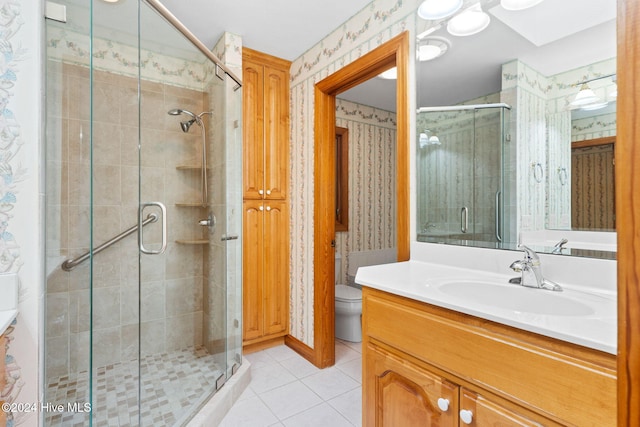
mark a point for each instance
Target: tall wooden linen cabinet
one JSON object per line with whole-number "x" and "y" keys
{"x": 265, "y": 199}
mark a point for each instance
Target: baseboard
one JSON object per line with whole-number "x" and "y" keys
{"x": 262, "y": 345}
{"x": 301, "y": 348}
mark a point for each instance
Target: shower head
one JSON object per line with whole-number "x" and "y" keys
{"x": 186, "y": 125}
{"x": 178, "y": 111}
{"x": 194, "y": 118}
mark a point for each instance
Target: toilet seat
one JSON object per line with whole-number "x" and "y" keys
{"x": 346, "y": 293}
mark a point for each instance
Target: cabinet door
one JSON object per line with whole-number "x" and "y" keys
{"x": 485, "y": 413}
{"x": 400, "y": 393}
{"x": 276, "y": 267}
{"x": 252, "y": 265}
{"x": 276, "y": 145}
{"x": 253, "y": 129}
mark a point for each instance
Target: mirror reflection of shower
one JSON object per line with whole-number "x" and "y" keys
{"x": 185, "y": 125}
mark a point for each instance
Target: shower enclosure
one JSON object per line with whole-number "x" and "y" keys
{"x": 461, "y": 176}
{"x": 143, "y": 216}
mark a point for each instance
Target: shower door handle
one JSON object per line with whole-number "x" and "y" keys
{"x": 163, "y": 211}
{"x": 498, "y": 216}
{"x": 464, "y": 219}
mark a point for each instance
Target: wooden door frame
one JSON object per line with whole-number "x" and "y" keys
{"x": 395, "y": 52}
{"x": 628, "y": 211}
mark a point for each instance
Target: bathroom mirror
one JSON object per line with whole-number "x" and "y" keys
{"x": 536, "y": 60}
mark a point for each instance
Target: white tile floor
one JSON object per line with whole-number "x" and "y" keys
{"x": 286, "y": 390}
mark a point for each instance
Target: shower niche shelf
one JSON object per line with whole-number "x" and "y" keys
{"x": 189, "y": 168}
{"x": 191, "y": 205}
{"x": 192, "y": 242}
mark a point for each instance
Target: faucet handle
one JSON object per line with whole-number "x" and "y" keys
{"x": 530, "y": 254}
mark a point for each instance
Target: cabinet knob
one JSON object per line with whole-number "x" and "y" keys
{"x": 466, "y": 416}
{"x": 261, "y": 208}
{"x": 268, "y": 208}
{"x": 268, "y": 192}
{"x": 443, "y": 404}
{"x": 261, "y": 192}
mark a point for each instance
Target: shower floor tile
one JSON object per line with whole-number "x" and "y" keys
{"x": 171, "y": 384}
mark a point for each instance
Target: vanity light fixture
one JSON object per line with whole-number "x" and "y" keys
{"x": 597, "y": 105}
{"x": 471, "y": 21}
{"x": 518, "y": 4}
{"x": 438, "y": 9}
{"x": 390, "y": 74}
{"x": 432, "y": 47}
{"x": 111, "y": 1}
{"x": 584, "y": 97}
{"x": 425, "y": 139}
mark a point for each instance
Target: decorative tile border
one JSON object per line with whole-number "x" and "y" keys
{"x": 73, "y": 48}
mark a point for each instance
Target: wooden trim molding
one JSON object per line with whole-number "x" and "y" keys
{"x": 594, "y": 142}
{"x": 628, "y": 212}
{"x": 395, "y": 52}
{"x": 342, "y": 183}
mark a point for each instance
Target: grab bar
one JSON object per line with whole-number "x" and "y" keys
{"x": 70, "y": 264}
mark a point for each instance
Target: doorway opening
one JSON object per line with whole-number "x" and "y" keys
{"x": 394, "y": 53}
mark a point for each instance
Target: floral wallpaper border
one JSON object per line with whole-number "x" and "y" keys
{"x": 11, "y": 171}
{"x": 73, "y": 47}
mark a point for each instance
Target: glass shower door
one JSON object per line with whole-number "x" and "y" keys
{"x": 447, "y": 175}
{"x": 140, "y": 128}
{"x": 181, "y": 167}
{"x": 460, "y": 175}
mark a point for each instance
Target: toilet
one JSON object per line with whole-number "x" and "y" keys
{"x": 348, "y": 309}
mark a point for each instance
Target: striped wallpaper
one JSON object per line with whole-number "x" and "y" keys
{"x": 372, "y": 180}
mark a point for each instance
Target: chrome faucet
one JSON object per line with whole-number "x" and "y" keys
{"x": 557, "y": 249}
{"x": 531, "y": 270}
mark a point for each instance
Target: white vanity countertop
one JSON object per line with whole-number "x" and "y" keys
{"x": 422, "y": 281}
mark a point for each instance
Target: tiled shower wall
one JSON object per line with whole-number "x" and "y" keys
{"x": 172, "y": 283}
{"x": 372, "y": 180}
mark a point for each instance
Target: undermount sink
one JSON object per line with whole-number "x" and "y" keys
{"x": 516, "y": 298}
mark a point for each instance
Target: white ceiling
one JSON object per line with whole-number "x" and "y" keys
{"x": 283, "y": 28}
{"x": 570, "y": 34}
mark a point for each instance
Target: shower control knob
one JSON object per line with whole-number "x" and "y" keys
{"x": 209, "y": 222}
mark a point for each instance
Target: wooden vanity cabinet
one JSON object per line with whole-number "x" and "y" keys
{"x": 401, "y": 393}
{"x": 429, "y": 366}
